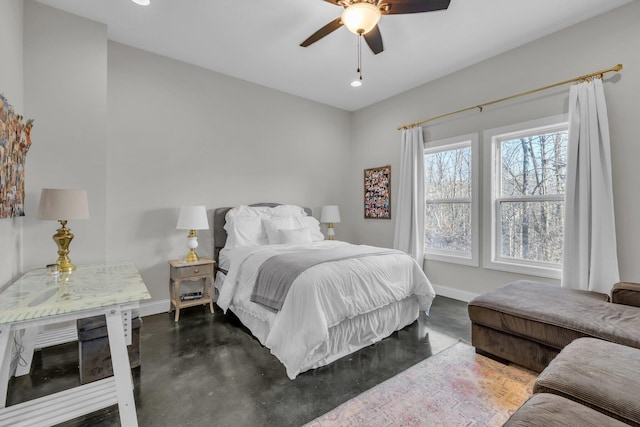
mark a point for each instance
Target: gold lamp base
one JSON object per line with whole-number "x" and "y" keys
{"x": 192, "y": 256}
{"x": 192, "y": 244}
{"x": 63, "y": 239}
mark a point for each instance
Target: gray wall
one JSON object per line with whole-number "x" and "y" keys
{"x": 65, "y": 77}
{"x": 11, "y": 87}
{"x": 593, "y": 45}
{"x": 182, "y": 135}
{"x": 164, "y": 134}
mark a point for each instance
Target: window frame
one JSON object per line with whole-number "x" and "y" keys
{"x": 491, "y": 224}
{"x": 462, "y": 141}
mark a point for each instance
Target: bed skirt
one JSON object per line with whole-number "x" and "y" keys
{"x": 346, "y": 337}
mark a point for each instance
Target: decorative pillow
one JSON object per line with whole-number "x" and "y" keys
{"x": 313, "y": 225}
{"x": 296, "y": 236}
{"x": 245, "y": 231}
{"x": 273, "y": 225}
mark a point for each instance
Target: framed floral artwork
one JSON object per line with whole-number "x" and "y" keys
{"x": 377, "y": 193}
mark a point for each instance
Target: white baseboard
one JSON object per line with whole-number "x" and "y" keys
{"x": 154, "y": 307}
{"x": 454, "y": 293}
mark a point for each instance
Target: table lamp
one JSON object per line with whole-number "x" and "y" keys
{"x": 330, "y": 214}
{"x": 63, "y": 205}
{"x": 192, "y": 218}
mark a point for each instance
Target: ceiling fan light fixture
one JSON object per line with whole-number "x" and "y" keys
{"x": 360, "y": 18}
{"x": 356, "y": 83}
{"x": 142, "y": 2}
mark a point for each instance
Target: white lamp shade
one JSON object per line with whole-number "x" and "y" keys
{"x": 193, "y": 218}
{"x": 330, "y": 213}
{"x": 62, "y": 205}
{"x": 360, "y": 18}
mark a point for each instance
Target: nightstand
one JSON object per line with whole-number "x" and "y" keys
{"x": 192, "y": 271}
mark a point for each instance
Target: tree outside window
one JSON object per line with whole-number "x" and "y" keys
{"x": 527, "y": 176}
{"x": 533, "y": 176}
{"x": 450, "y": 208}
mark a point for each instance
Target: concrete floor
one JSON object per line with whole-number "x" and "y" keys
{"x": 208, "y": 370}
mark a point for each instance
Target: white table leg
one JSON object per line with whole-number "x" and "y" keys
{"x": 6, "y": 344}
{"x": 121, "y": 368}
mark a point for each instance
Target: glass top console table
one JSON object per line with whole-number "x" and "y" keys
{"x": 41, "y": 298}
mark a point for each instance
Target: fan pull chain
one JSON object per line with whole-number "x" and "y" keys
{"x": 359, "y": 71}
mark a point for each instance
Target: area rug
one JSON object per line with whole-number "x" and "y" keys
{"x": 455, "y": 387}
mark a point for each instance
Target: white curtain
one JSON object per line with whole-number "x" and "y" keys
{"x": 590, "y": 256}
{"x": 409, "y": 227}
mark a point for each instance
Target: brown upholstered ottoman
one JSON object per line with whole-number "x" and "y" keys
{"x": 550, "y": 410}
{"x": 94, "y": 350}
{"x": 598, "y": 374}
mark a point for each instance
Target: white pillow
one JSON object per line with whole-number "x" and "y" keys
{"x": 273, "y": 225}
{"x": 259, "y": 225}
{"x": 244, "y": 211}
{"x": 261, "y": 211}
{"x": 245, "y": 231}
{"x": 288, "y": 210}
{"x": 296, "y": 236}
{"x": 313, "y": 225}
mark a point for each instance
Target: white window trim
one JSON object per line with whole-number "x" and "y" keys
{"x": 491, "y": 259}
{"x": 454, "y": 257}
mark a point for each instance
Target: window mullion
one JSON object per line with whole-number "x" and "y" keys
{"x": 441, "y": 201}
{"x": 534, "y": 198}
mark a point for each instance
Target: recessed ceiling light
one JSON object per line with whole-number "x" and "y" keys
{"x": 142, "y": 2}
{"x": 356, "y": 83}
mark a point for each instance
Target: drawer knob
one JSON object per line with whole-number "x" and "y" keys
{"x": 196, "y": 271}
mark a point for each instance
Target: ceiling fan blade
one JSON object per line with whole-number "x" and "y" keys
{"x": 397, "y": 7}
{"x": 374, "y": 40}
{"x": 324, "y": 31}
{"x": 336, "y": 2}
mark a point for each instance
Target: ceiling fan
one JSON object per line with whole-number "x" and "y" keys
{"x": 361, "y": 17}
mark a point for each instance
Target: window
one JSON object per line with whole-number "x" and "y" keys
{"x": 527, "y": 172}
{"x": 451, "y": 207}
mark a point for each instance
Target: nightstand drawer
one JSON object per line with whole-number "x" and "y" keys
{"x": 192, "y": 270}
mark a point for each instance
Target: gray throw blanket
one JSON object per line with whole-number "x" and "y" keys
{"x": 277, "y": 274}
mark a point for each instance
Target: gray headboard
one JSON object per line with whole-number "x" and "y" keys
{"x": 220, "y": 234}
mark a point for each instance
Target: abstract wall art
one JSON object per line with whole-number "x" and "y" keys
{"x": 15, "y": 140}
{"x": 377, "y": 193}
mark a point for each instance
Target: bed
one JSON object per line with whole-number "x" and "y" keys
{"x": 310, "y": 301}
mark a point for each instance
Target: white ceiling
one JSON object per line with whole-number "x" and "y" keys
{"x": 258, "y": 40}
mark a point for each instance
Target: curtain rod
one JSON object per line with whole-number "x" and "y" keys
{"x": 481, "y": 106}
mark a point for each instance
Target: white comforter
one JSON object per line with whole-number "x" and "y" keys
{"x": 321, "y": 297}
